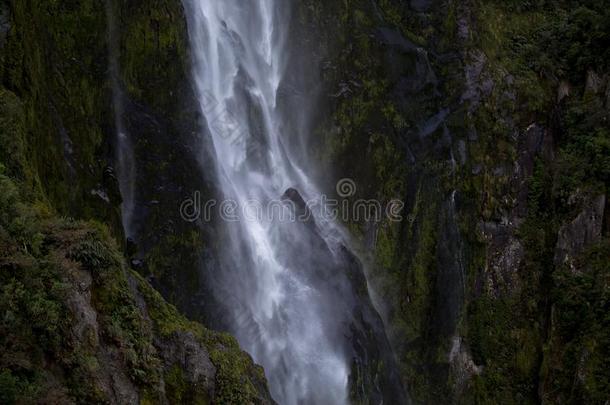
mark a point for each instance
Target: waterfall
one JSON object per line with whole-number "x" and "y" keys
{"x": 123, "y": 150}
{"x": 286, "y": 287}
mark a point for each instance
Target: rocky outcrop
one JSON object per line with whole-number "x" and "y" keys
{"x": 185, "y": 351}
{"x": 91, "y": 330}
{"x": 584, "y": 231}
{"x": 463, "y": 366}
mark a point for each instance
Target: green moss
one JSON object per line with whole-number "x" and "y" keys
{"x": 9, "y": 387}
{"x": 38, "y": 253}
{"x": 419, "y": 278}
{"x": 166, "y": 318}
{"x": 167, "y": 254}
{"x": 238, "y": 380}
{"x": 233, "y": 387}
{"x": 12, "y": 139}
{"x": 575, "y": 369}
{"x": 54, "y": 59}
{"x": 153, "y": 52}
{"x": 36, "y": 325}
{"x": 179, "y": 391}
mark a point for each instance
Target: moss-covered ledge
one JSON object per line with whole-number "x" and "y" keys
{"x": 78, "y": 326}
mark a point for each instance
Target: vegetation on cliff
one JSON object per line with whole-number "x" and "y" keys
{"x": 489, "y": 119}
{"x": 493, "y": 115}
{"x": 77, "y": 324}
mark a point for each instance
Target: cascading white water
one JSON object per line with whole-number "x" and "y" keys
{"x": 287, "y": 320}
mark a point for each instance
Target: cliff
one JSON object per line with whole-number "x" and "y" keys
{"x": 489, "y": 120}
{"x": 78, "y": 324}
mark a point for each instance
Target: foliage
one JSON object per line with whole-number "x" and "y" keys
{"x": 51, "y": 350}
{"x": 579, "y": 348}
{"x": 529, "y": 49}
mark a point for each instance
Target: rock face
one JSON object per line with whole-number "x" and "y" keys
{"x": 90, "y": 330}
{"x": 77, "y": 101}
{"x": 443, "y": 106}
{"x": 301, "y": 210}
{"x": 462, "y": 364}
{"x": 185, "y": 351}
{"x": 584, "y": 231}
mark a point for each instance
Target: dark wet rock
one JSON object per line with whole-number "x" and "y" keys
{"x": 536, "y": 141}
{"x": 111, "y": 185}
{"x": 338, "y": 272}
{"x": 464, "y": 23}
{"x": 462, "y": 364}
{"x": 408, "y": 64}
{"x": 472, "y": 134}
{"x": 595, "y": 83}
{"x": 137, "y": 265}
{"x": 374, "y": 373}
{"x": 302, "y": 213}
{"x": 476, "y": 86}
{"x": 5, "y": 23}
{"x": 583, "y": 231}
{"x": 131, "y": 247}
{"x": 433, "y": 123}
{"x": 420, "y": 5}
{"x": 293, "y": 195}
{"x": 451, "y": 279}
{"x": 461, "y": 152}
{"x": 393, "y": 38}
